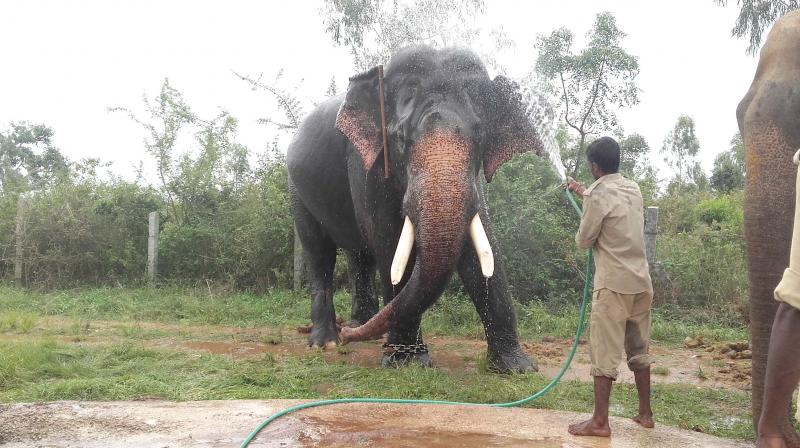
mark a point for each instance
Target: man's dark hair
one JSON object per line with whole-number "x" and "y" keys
{"x": 605, "y": 153}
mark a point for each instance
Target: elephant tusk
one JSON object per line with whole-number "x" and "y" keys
{"x": 478, "y": 235}
{"x": 403, "y": 251}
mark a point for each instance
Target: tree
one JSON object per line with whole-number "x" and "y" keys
{"x": 635, "y": 164}
{"x": 293, "y": 114}
{"x": 286, "y": 99}
{"x": 727, "y": 175}
{"x": 374, "y": 29}
{"x": 192, "y": 183}
{"x": 28, "y": 159}
{"x": 332, "y": 91}
{"x": 729, "y": 169}
{"x": 633, "y": 154}
{"x": 590, "y": 85}
{"x": 737, "y": 150}
{"x": 755, "y": 16}
{"x": 680, "y": 149}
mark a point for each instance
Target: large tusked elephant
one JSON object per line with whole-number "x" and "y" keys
{"x": 769, "y": 120}
{"x": 445, "y": 120}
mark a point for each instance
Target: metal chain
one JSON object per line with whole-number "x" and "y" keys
{"x": 404, "y": 349}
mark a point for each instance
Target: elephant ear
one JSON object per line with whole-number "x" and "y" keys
{"x": 359, "y": 116}
{"x": 510, "y": 131}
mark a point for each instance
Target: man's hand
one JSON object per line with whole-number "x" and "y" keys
{"x": 575, "y": 186}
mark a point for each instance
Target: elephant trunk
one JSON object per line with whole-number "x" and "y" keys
{"x": 769, "y": 215}
{"x": 440, "y": 211}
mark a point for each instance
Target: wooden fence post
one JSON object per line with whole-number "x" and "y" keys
{"x": 19, "y": 234}
{"x": 152, "y": 247}
{"x": 650, "y": 233}
{"x": 298, "y": 262}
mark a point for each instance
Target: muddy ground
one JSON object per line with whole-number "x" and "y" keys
{"x": 703, "y": 365}
{"x": 226, "y": 423}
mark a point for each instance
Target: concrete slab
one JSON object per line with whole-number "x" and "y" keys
{"x": 227, "y": 423}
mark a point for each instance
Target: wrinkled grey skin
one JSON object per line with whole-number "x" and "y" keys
{"x": 446, "y": 119}
{"x": 769, "y": 121}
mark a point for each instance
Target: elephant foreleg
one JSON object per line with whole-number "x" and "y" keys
{"x": 494, "y": 306}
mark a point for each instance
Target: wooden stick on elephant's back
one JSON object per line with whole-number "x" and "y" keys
{"x": 383, "y": 124}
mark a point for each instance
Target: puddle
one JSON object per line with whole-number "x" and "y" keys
{"x": 319, "y": 433}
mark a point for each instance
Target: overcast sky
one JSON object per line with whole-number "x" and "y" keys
{"x": 65, "y": 62}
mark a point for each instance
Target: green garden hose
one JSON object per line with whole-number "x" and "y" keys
{"x": 578, "y": 332}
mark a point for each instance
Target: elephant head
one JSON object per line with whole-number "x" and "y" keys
{"x": 446, "y": 119}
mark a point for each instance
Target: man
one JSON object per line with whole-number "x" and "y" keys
{"x": 613, "y": 226}
{"x": 783, "y": 360}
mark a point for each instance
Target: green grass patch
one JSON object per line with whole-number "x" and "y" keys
{"x": 456, "y": 315}
{"x": 450, "y": 315}
{"x": 44, "y": 370}
{"x": 660, "y": 370}
{"x": 165, "y": 305}
{"x": 18, "y": 322}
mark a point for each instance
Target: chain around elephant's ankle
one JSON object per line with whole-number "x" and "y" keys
{"x": 404, "y": 349}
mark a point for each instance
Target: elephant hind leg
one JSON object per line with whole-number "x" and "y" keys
{"x": 320, "y": 254}
{"x": 362, "y": 276}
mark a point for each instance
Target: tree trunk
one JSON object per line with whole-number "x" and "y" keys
{"x": 579, "y": 156}
{"x": 299, "y": 265}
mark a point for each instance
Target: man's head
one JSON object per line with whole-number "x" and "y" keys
{"x": 603, "y": 156}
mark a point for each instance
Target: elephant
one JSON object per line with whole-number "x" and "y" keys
{"x": 445, "y": 119}
{"x": 769, "y": 122}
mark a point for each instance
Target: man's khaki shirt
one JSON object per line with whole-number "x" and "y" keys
{"x": 788, "y": 289}
{"x": 613, "y": 226}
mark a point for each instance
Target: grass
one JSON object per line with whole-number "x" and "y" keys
{"x": 456, "y": 315}
{"x": 46, "y": 354}
{"x": 18, "y": 321}
{"x": 45, "y": 370}
{"x": 660, "y": 370}
{"x": 451, "y": 315}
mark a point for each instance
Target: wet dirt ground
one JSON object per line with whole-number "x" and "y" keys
{"x": 677, "y": 365}
{"x": 227, "y": 423}
{"x": 694, "y": 366}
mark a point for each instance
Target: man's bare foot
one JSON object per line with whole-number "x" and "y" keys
{"x": 645, "y": 420}
{"x": 590, "y": 428}
{"x": 770, "y": 442}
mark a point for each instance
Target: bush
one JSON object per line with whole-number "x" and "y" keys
{"x": 535, "y": 227}
{"x": 725, "y": 210}
{"x": 87, "y": 232}
{"x": 706, "y": 263}
{"x": 245, "y": 239}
